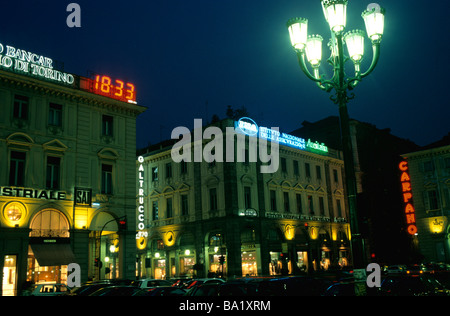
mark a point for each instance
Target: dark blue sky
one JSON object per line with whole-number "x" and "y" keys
{"x": 191, "y": 58}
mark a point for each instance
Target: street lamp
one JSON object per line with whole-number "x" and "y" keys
{"x": 335, "y": 12}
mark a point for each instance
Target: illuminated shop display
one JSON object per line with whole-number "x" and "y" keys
{"x": 248, "y": 127}
{"x": 407, "y": 198}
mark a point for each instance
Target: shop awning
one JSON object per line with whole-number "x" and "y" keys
{"x": 52, "y": 252}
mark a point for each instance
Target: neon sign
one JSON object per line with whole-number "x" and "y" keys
{"x": 29, "y": 63}
{"x": 141, "y": 226}
{"x": 248, "y": 126}
{"x": 410, "y": 212}
{"x": 103, "y": 85}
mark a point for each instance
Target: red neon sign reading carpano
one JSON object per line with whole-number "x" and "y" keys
{"x": 410, "y": 212}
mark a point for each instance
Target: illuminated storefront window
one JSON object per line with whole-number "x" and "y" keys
{"x": 249, "y": 266}
{"x": 9, "y": 283}
{"x": 160, "y": 268}
{"x": 218, "y": 265}
{"x": 187, "y": 263}
{"x": 302, "y": 261}
{"x": 47, "y": 274}
{"x": 276, "y": 264}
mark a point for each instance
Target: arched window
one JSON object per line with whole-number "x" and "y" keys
{"x": 49, "y": 223}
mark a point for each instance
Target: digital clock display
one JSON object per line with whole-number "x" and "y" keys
{"x": 115, "y": 89}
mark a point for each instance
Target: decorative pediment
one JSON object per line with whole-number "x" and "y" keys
{"x": 108, "y": 153}
{"x": 154, "y": 193}
{"x": 168, "y": 189}
{"x": 298, "y": 186}
{"x": 321, "y": 190}
{"x": 286, "y": 184}
{"x": 246, "y": 180}
{"x": 55, "y": 145}
{"x": 212, "y": 181}
{"x": 19, "y": 139}
{"x": 184, "y": 187}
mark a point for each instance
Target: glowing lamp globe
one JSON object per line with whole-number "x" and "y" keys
{"x": 335, "y": 12}
{"x": 298, "y": 32}
{"x": 374, "y": 20}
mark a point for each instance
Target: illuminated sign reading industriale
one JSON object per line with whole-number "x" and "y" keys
{"x": 407, "y": 198}
{"x": 19, "y": 60}
{"x": 141, "y": 226}
{"x": 249, "y": 127}
{"x": 32, "y": 193}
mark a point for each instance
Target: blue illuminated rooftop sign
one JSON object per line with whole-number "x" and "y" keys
{"x": 249, "y": 127}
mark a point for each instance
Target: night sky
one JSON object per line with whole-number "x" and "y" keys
{"x": 192, "y": 58}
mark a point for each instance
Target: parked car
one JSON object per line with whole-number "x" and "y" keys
{"x": 415, "y": 285}
{"x": 118, "y": 290}
{"x": 150, "y": 283}
{"x": 415, "y": 269}
{"x": 196, "y": 282}
{"x": 211, "y": 289}
{"x": 162, "y": 291}
{"x": 87, "y": 289}
{"x": 396, "y": 270}
{"x": 48, "y": 289}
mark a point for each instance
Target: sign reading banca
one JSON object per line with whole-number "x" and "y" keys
{"x": 21, "y": 61}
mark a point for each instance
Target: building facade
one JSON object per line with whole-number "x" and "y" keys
{"x": 429, "y": 171}
{"x": 67, "y": 176}
{"x": 376, "y": 154}
{"x": 230, "y": 219}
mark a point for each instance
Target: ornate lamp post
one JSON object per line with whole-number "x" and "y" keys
{"x": 335, "y": 12}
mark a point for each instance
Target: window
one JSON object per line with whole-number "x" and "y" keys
{"x": 17, "y": 169}
{"x": 169, "y": 209}
{"x": 296, "y": 169}
{"x": 21, "y": 107}
{"x": 106, "y": 179}
{"x": 53, "y": 172}
{"x": 273, "y": 200}
{"x": 55, "y": 114}
{"x": 107, "y": 125}
{"x": 299, "y": 203}
{"x": 307, "y": 170}
{"x": 183, "y": 167}
{"x": 318, "y": 172}
{"x": 184, "y": 205}
{"x": 339, "y": 208}
{"x": 247, "y": 197}
{"x": 286, "y": 202}
{"x": 447, "y": 163}
{"x": 213, "y": 199}
{"x": 283, "y": 165}
{"x": 155, "y": 214}
{"x": 335, "y": 176}
{"x": 169, "y": 170}
{"x": 310, "y": 205}
{"x": 431, "y": 200}
{"x": 428, "y": 166}
{"x": 321, "y": 206}
{"x": 154, "y": 173}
